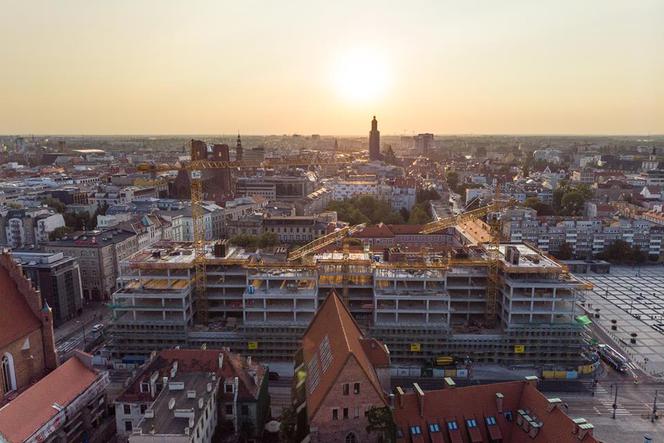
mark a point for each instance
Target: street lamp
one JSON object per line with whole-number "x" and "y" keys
{"x": 615, "y": 402}
{"x": 654, "y": 409}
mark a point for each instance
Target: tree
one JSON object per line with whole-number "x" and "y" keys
{"x": 267, "y": 239}
{"x": 59, "y": 232}
{"x": 536, "y": 204}
{"x": 418, "y": 216}
{"x": 381, "y": 421}
{"x": 572, "y": 203}
{"x": 426, "y": 195}
{"x": 405, "y": 213}
{"x": 452, "y": 179}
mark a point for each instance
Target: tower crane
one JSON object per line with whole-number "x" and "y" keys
{"x": 195, "y": 169}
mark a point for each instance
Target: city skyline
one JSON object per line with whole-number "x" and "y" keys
{"x": 218, "y": 67}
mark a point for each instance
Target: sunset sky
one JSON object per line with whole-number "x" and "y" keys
{"x": 276, "y": 67}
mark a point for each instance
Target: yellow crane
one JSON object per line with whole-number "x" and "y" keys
{"x": 195, "y": 169}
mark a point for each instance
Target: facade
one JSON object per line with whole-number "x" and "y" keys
{"x": 421, "y": 305}
{"x": 27, "y": 345}
{"x": 346, "y": 375}
{"x": 585, "y": 237}
{"x": 68, "y": 405}
{"x": 58, "y": 279}
{"x": 374, "y": 141}
{"x": 98, "y": 254}
{"x": 510, "y": 412}
{"x": 276, "y": 187}
{"x": 24, "y": 227}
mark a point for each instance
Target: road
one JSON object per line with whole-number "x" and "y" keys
{"x": 77, "y": 332}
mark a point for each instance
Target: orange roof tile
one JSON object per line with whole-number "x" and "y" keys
{"x": 16, "y": 317}
{"x": 25, "y": 415}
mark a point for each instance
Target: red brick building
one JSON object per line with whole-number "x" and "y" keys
{"x": 340, "y": 375}
{"x": 27, "y": 345}
{"x": 511, "y": 412}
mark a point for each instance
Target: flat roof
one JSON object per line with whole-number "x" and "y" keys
{"x": 178, "y": 402}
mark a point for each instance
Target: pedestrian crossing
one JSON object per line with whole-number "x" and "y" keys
{"x": 602, "y": 404}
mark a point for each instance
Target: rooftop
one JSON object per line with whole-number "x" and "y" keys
{"x": 35, "y": 407}
{"x": 180, "y": 405}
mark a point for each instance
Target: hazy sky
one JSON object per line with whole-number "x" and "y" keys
{"x": 275, "y": 67}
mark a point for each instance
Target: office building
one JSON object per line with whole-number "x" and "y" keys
{"x": 58, "y": 279}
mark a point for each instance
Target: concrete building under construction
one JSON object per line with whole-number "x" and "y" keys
{"x": 513, "y": 305}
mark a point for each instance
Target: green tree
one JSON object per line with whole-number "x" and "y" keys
{"x": 60, "y": 232}
{"x": 537, "y": 205}
{"x": 418, "y": 216}
{"x": 426, "y": 195}
{"x": 381, "y": 422}
{"x": 452, "y": 179}
{"x": 267, "y": 239}
{"x": 572, "y": 203}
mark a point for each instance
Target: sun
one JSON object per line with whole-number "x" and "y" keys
{"x": 361, "y": 76}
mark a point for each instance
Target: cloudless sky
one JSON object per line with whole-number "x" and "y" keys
{"x": 274, "y": 67}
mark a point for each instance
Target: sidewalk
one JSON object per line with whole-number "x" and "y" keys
{"x": 94, "y": 312}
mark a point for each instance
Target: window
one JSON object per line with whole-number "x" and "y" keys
{"x": 228, "y": 388}
{"x": 229, "y": 409}
{"x": 143, "y": 409}
{"x": 345, "y": 412}
{"x": 245, "y": 410}
{"x": 452, "y": 425}
{"x": 351, "y": 438}
{"x": 356, "y": 388}
{"x": 415, "y": 430}
{"x": 8, "y": 375}
{"x": 128, "y": 426}
{"x": 434, "y": 427}
{"x": 491, "y": 421}
{"x": 508, "y": 415}
{"x": 335, "y": 414}
{"x": 357, "y": 412}
{"x": 127, "y": 409}
{"x": 346, "y": 389}
{"x": 471, "y": 423}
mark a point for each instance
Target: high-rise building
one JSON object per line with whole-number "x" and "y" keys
{"x": 423, "y": 143}
{"x": 374, "y": 141}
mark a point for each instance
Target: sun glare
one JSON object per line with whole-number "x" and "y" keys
{"x": 361, "y": 76}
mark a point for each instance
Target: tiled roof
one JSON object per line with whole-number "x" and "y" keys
{"x": 333, "y": 324}
{"x": 16, "y": 317}
{"x": 377, "y": 231}
{"x": 479, "y": 403}
{"x": 25, "y": 415}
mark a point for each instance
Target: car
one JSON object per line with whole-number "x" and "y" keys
{"x": 98, "y": 328}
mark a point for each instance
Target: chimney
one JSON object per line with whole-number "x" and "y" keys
{"x": 400, "y": 395}
{"x": 221, "y": 360}
{"x": 420, "y": 398}
{"x": 532, "y": 380}
{"x": 578, "y": 422}
{"x": 499, "y": 402}
{"x": 585, "y": 429}
{"x": 449, "y": 383}
{"x": 553, "y": 403}
{"x": 249, "y": 360}
{"x": 164, "y": 381}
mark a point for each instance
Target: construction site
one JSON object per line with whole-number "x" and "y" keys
{"x": 471, "y": 299}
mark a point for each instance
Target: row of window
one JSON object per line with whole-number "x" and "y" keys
{"x": 346, "y": 388}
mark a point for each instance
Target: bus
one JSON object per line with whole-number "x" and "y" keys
{"x": 612, "y": 357}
